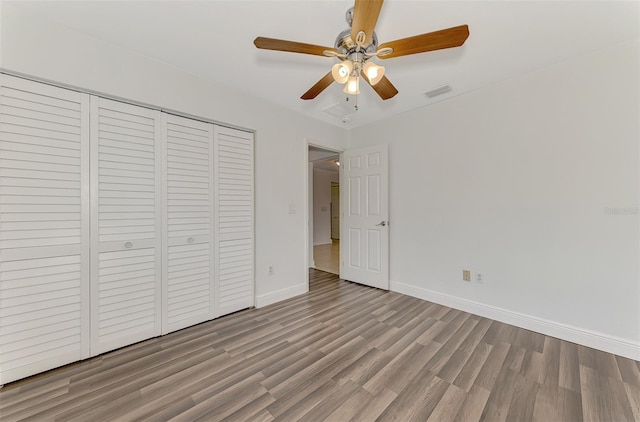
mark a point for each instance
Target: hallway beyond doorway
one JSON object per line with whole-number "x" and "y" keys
{"x": 327, "y": 257}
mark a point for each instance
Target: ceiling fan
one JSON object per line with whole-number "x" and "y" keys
{"x": 357, "y": 45}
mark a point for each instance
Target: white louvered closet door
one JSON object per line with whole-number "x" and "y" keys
{"x": 126, "y": 224}
{"x": 234, "y": 205}
{"x": 188, "y": 271}
{"x": 44, "y": 242}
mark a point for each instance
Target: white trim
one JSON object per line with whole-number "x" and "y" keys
{"x": 600, "y": 341}
{"x": 309, "y": 261}
{"x": 280, "y": 295}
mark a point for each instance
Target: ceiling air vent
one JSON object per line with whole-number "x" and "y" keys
{"x": 438, "y": 91}
{"x": 339, "y": 110}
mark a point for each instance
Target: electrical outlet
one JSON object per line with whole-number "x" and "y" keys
{"x": 466, "y": 275}
{"x": 479, "y": 278}
{"x": 270, "y": 270}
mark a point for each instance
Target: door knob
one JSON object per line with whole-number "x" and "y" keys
{"x": 382, "y": 223}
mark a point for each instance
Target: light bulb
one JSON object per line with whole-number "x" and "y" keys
{"x": 374, "y": 72}
{"x": 341, "y": 71}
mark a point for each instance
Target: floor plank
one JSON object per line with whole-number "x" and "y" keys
{"x": 342, "y": 352}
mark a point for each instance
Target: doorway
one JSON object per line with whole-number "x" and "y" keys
{"x": 324, "y": 210}
{"x": 363, "y": 251}
{"x": 327, "y": 255}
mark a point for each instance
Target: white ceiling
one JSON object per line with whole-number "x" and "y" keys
{"x": 327, "y": 165}
{"x": 323, "y": 159}
{"x": 214, "y": 39}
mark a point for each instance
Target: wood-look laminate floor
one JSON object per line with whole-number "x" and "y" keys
{"x": 341, "y": 352}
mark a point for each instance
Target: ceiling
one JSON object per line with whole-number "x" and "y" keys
{"x": 327, "y": 165}
{"x": 324, "y": 159}
{"x": 214, "y": 39}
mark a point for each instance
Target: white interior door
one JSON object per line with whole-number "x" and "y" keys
{"x": 125, "y": 224}
{"x": 364, "y": 228}
{"x": 188, "y": 218}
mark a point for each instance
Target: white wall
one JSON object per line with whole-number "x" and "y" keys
{"x": 322, "y": 205}
{"x": 533, "y": 182}
{"x": 35, "y": 47}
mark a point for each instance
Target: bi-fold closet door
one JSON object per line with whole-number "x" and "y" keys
{"x": 234, "y": 230}
{"x": 44, "y": 227}
{"x": 188, "y": 216}
{"x": 118, "y": 223}
{"x": 172, "y": 214}
{"x": 126, "y": 219}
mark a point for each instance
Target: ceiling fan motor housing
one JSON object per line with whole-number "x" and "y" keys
{"x": 345, "y": 45}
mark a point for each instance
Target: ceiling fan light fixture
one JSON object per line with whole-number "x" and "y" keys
{"x": 356, "y": 45}
{"x": 353, "y": 86}
{"x": 374, "y": 72}
{"x": 341, "y": 71}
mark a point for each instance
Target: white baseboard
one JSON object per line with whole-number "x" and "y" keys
{"x": 282, "y": 294}
{"x": 607, "y": 343}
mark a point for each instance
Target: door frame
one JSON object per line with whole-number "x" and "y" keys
{"x": 308, "y": 179}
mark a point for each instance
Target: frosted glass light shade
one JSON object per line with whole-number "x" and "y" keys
{"x": 353, "y": 86}
{"x": 374, "y": 72}
{"x": 341, "y": 71}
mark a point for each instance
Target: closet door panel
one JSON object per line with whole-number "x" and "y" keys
{"x": 44, "y": 242}
{"x": 188, "y": 270}
{"x": 126, "y": 221}
{"x": 234, "y": 205}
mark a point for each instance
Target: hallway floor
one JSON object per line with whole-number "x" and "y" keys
{"x": 327, "y": 257}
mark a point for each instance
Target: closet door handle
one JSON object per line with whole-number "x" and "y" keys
{"x": 128, "y": 245}
{"x": 190, "y": 240}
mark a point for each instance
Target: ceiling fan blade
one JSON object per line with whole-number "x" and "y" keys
{"x": 365, "y": 16}
{"x": 291, "y": 46}
{"x": 446, "y": 38}
{"x": 384, "y": 87}
{"x": 320, "y": 86}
